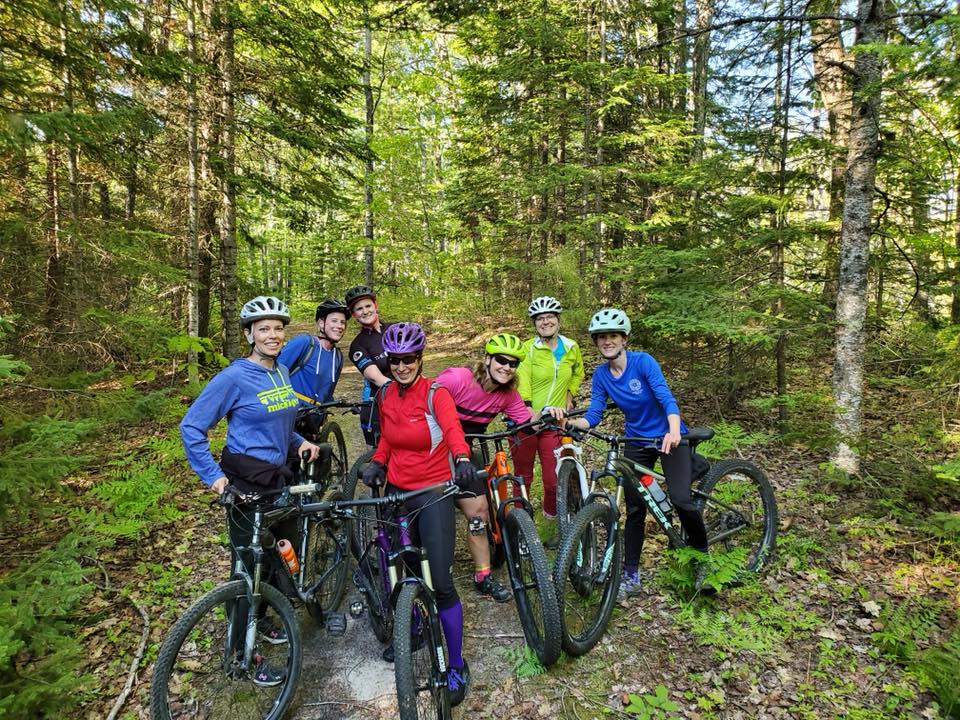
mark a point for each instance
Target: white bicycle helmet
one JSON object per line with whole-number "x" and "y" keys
{"x": 609, "y": 320}
{"x": 264, "y": 307}
{"x": 544, "y": 304}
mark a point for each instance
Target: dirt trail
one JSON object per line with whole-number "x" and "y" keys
{"x": 345, "y": 677}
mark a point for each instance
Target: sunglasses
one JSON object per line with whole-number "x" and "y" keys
{"x": 506, "y": 360}
{"x": 403, "y": 359}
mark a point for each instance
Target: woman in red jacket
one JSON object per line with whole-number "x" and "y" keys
{"x": 418, "y": 448}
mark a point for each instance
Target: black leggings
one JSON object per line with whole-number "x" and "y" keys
{"x": 435, "y": 529}
{"x": 677, "y": 467}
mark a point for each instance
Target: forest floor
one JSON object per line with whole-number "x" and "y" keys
{"x": 816, "y": 637}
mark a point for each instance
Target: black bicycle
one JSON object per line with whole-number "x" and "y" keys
{"x": 739, "y": 511}
{"x": 393, "y": 576}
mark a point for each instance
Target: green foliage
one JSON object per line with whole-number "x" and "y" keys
{"x": 135, "y": 498}
{"x": 36, "y": 455}
{"x": 730, "y": 438}
{"x": 911, "y": 636}
{"x": 40, "y": 656}
{"x": 678, "y": 571}
{"x": 652, "y": 706}
{"x": 524, "y": 661}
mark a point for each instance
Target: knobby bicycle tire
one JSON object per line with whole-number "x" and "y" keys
{"x": 365, "y": 523}
{"x": 587, "y": 576}
{"x": 569, "y": 496}
{"x": 327, "y": 557}
{"x": 536, "y": 599}
{"x": 739, "y": 511}
{"x": 339, "y": 469}
{"x": 196, "y": 674}
{"x": 419, "y": 666}
{"x": 370, "y": 581}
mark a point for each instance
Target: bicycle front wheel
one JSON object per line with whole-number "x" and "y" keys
{"x": 339, "y": 469}
{"x": 533, "y": 587}
{"x": 569, "y": 496}
{"x": 739, "y": 512}
{"x": 199, "y": 672}
{"x": 418, "y": 657}
{"x": 326, "y": 562}
{"x": 587, "y": 576}
{"x": 364, "y": 525}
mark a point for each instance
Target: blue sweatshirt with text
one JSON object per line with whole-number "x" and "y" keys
{"x": 260, "y": 408}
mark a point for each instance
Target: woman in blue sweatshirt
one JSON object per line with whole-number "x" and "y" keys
{"x": 255, "y": 395}
{"x": 635, "y": 384}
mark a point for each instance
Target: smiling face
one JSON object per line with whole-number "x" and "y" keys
{"x": 406, "y": 367}
{"x": 547, "y": 325}
{"x": 501, "y": 368}
{"x": 265, "y": 337}
{"x": 365, "y": 312}
{"x": 332, "y": 326}
{"x": 610, "y": 344}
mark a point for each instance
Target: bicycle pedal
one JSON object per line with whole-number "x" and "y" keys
{"x": 336, "y": 623}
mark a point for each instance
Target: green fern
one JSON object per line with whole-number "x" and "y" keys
{"x": 525, "y": 661}
{"x": 729, "y": 438}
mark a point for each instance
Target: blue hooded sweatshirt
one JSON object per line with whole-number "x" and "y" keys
{"x": 318, "y": 376}
{"x": 260, "y": 408}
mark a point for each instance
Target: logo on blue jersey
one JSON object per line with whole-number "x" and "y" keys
{"x": 636, "y": 387}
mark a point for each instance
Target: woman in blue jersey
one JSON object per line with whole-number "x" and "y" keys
{"x": 635, "y": 384}
{"x": 255, "y": 395}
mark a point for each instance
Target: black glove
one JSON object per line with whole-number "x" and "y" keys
{"x": 374, "y": 474}
{"x": 464, "y": 474}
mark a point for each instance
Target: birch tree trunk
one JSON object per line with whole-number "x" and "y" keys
{"x": 851, "y": 309}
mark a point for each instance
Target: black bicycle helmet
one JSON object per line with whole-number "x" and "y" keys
{"x": 331, "y": 305}
{"x": 358, "y": 292}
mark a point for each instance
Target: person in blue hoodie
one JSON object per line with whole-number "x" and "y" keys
{"x": 315, "y": 362}
{"x": 635, "y": 384}
{"x": 255, "y": 396}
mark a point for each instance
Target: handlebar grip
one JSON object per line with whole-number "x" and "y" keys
{"x": 304, "y": 488}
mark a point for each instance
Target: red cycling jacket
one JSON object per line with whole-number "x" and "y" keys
{"x": 417, "y": 448}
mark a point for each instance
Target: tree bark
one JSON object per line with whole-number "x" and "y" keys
{"x": 698, "y": 75}
{"x": 228, "y": 218}
{"x": 829, "y": 59}
{"x": 193, "y": 196}
{"x": 855, "y": 230}
{"x": 368, "y": 162}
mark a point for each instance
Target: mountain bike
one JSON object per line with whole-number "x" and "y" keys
{"x": 219, "y": 659}
{"x": 393, "y": 575}
{"x": 739, "y": 511}
{"x": 572, "y": 478}
{"x": 513, "y": 536}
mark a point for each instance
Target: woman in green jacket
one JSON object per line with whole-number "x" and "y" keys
{"x": 548, "y": 378}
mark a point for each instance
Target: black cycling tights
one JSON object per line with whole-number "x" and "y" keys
{"x": 435, "y": 530}
{"x": 677, "y": 467}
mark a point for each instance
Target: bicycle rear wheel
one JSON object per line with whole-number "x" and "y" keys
{"x": 198, "y": 673}
{"x": 371, "y": 581}
{"x": 339, "y": 469}
{"x": 569, "y": 496}
{"x": 327, "y": 560}
{"x": 535, "y": 597}
{"x": 587, "y": 576}
{"x": 740, "y": 512}
{"x": 418, "y": 657}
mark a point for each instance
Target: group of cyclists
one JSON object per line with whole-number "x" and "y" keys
{"x": 417, "y": 426}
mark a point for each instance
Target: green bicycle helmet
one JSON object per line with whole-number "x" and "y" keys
{"x": 505, "y": 344}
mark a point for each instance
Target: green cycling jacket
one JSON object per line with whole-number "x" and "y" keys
{"x": 544, "y": 382}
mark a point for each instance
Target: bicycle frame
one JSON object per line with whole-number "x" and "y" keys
{"x": 570, "y": 452}
{"x": 500, "y": 477}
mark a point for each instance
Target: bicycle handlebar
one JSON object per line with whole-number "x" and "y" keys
{"x": 315, "y": 407}
{"x": 544, "y": 421}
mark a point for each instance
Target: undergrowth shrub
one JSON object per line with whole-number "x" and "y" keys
{"x": 40, "y": 657}
{"x": 912, "y": 635}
